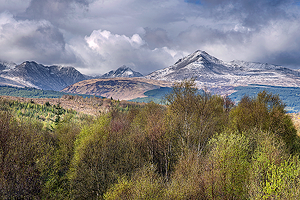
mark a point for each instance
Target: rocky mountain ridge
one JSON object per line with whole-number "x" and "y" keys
{"x": 222, "y": 77}
{"x": 6, "y": 65}
{"x": 54, "y": 77}
{"x": 123, "y": 71}
{"x": 32, "y": 74}
{"x": 210, "y": 72}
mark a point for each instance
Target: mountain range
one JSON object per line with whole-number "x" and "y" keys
{"x": 221, "y": 77}
{"x": 54, "y": 77}
{"x": 32, "y": 74}
{"x": 210, "y": 72}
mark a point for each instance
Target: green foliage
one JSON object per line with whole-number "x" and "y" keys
{"x": 194, "y": 117}
{"x": 150, "y": 135}
{"x": 46, "y": 114}
{"x": 265, "y": 112}
{"x": 104, "y": 150}
{"x": 33, "y": 93}
{"x": 57, "y": 184}
{"x": 198, "y": 146}
{"x": 145, "y": 184}
{"x": 274, "y": 174}
{"x": 121, "y": 190}
{"x": 86, "y": 177}
{"x": 24, "y": 149}
{"x": 227, "y": 165}
{"x": 187, "y": 181}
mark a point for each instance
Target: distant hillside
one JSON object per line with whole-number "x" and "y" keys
{"x": 117, "y": 88}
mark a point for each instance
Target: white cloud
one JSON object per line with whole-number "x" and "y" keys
{"x": 103, "y": 51}
{"x": 22, "y": 40}
{"x": 99, "y": 35}
{"x": 101, "y": 40}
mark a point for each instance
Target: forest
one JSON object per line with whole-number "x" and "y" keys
{"x": 197, "y": 146}
{"x": 33, "y": 92}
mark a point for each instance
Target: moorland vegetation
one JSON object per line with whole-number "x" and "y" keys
{"x": 197, "y": 146}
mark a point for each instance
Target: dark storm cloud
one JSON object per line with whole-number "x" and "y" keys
{"x": 205, "y": 35}
{"x": 51, "y": 9}
{"x": 288, "y": 59}
{"x": 14, "y": 6}
{"x": 156, "y": 38}
{"x": 288, "y": 50}
{"x": 251, "y": 13}
{"x": 31, "y": 40}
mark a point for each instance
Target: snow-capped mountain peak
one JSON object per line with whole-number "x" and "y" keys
{"x": 211, "y": 72}
{"x": 123, "y": 71}
{"x": 196, "y": 65}
{"x": 32, "y": 74}
{"x": 198, "y": 57}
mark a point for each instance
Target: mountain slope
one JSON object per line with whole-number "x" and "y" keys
{"x": 222, "y": 76}
{"x": 6, "y": 65}
{"x": 117, "y": 88}
{"x": 122, "y": 72}
{"x": 199, "y": 65}
{"x": 32, "y": 74}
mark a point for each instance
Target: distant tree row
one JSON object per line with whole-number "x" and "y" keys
{"x": 198, "y": 146}
{"x": 33, "y": 92}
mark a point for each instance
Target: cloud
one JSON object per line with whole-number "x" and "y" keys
{"x": 276, "y": 43}
{"x": 128, "y": 16}
{"x": 52, "y": 9}
{"x": 31, "y": 40}
{"x": 250, "y": 13}
{"x": 14, "y": 6}
{"x": 108, "y": 51}
{"x": 156, "y": 38}
{"x": 99, "y": 35}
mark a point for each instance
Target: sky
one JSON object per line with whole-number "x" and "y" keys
{"x": 96, "y": 36}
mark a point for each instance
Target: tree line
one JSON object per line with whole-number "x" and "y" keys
{"x": 198, "y": 146}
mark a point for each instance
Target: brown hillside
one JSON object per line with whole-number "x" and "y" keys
{"x": 117, "y": 88}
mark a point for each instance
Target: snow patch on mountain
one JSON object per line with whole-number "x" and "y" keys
{"x": 5, "y": 66}
{"x": 123, "y": 71}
